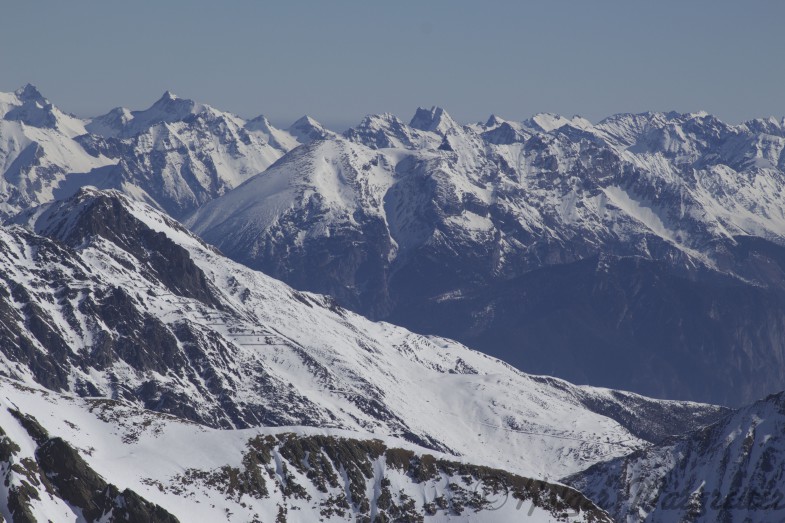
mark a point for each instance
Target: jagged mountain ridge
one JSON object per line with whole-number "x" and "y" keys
{"x": 176, "y": 154}
{"x": 729, "y": 471}
{"x": 110, "y": 298}
{"x": 411, "y": 222}
{"x": 57, "y": 452}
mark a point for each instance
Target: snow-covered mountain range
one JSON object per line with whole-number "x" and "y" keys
{"x": 176, "y": 155}
{"x": 146, "y": 376}
{"x": 497, "y": 234}
{"x": 450, "y": 229}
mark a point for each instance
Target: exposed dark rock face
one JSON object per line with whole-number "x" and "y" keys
{"x": 18, "y": 497}
{"x": 81, "y": 487}
{"x": 59, "y": 470}
{"x": 103, "y": 216}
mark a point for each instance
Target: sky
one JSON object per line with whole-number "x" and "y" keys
{"x": 340, "y": 60}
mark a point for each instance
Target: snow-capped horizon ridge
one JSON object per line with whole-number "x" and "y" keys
{"x": 169, "y": 94}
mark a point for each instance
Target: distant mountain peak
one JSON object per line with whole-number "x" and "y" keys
{"x": 375, "y": 119}
{"x": 29, "y": 92}
{"x": 548, "y": 122}
{"x": 261, "y": 122}
{"x": 169, "y": 95}
{"x": 435, "y": 119}
{"x": 307, "y": 129}
{"x": 28, "y": 105}
{"x": 173, "y": 104}
{"x": 120, "y": 122}
{"x": 386, "y": 130}
{"x": 304, "y": 122}
{"x": 494, "y": 121}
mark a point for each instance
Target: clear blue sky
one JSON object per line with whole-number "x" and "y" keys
{"x": 338, "y": 61}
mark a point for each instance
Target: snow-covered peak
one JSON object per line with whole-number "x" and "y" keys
{"x": 627, "y": 128}
{"x": 547, "y": 122}
{"x": 168, "y": 97}
{"x": 120, "y": 122}
{"x": 381, "y": 121}
{"x": 110, "y": 124}
{"x": 28, "y": 106}
{"x": 306, "y": 130}
{"x": 168, "y": 108}
{"x": 769, "y": 125}
{"x": 499, "y": 131}
{"x": 278, "y": 138}
{"x": 494, "y": 121}
{"x": 435, "y": 120}
{"x": 89, "y": 211}
{"x": 380, "y": 131}
{"x": 260, "y": 123}
{"x": 29, "y": 92}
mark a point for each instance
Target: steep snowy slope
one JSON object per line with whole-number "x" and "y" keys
{"x": 176, "y": 155}
{"x": 731, "y": 471}
{"x": 195, "y": 473}
{"x": 113, "y": 299}
{"x": 405, "y": 222}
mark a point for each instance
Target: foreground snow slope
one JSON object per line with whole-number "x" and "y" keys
{"x": 288, "y": 474}
{"x": 111, "y": 298}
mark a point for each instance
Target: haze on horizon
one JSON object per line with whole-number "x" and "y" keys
{"x": 347, "y": 60}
